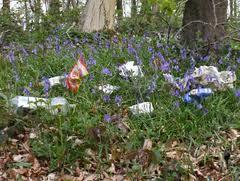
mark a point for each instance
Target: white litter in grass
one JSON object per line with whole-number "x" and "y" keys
{"x": 57, "y": 80}
{"x": 130, "y": 70}
{"x": 108, "y": 89}
{"x": 206, "y": 76}
{"x": 57, "y": 105}
{"x": 141, "y": 108}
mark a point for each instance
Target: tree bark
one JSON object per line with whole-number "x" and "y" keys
{"x": 98, "y": 15}
{"x": 231, "y": 8}
{"x": 54, "y": 8}
{"x": 204, "y": 19}
{"x": 6, "y": 6}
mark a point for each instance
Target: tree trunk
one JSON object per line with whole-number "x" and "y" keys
{"x": 133, "y": 8}
{"x": 231, "y": 8}
{"x": 6, "y": 6}
{"x": 235, "y": 8}
{"x": 204, "y": 19}
{"x": 98, "y": 15}
{"x": 155, "y": 8}
{"x": 54, "y": 8}
{"x": 119, "y": 10}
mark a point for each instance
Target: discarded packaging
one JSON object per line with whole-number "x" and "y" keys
{"x": 58, "y": 80}
{"x": 74, "y": 77}
{"x": 54, "y": 105}
{"x": 206, "y": 76}
{"x": 108, "y": 89}
{"x": 145, "y": 107}
{"x": 210, "y": 75}
{"x": 130, "y": 70}
{"x": 196, "y": 95}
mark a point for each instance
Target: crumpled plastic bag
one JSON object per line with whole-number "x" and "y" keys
{"x": 130, "y": 70}
{"x": 73, "y": 79}
{"x": 206, "y": 76}
{"x": 210, "y": 75}
{"x": 141, "y": 108}
{"x": 108, "y": 89}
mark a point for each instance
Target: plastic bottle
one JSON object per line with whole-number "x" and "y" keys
{"x": 57, "y": 105}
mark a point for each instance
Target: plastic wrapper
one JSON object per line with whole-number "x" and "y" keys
{"x": 73, "y": 79}
{"x": 108, "y": 89}
{"x": 196, "y": 95}
{"x": 57, "y": 80}
{"x": 206, "y": 76}
{"x": 130, "y": 70}
{"x": 142, "y": 108}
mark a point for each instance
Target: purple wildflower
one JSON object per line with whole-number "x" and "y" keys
{"x": 107, "y": 44}
{"x": 46, "y": 86}
{"x": 165, "y": 66}
{"x": 118, "y": 100}
{"x": 107, "y": 118}
{"x": 11, "y": 56}
{"x": 176, "y": 104}
{"x": 183, "y": 53}
{"x": 115, "y": 39}
{"x": 106, "y": 98}
{"x": 26, "y": 91}
{"x": 106, "y": 71}
{"x": 237, "y": 93}
{"x": 91, "y": 77}
{"x": 238, "y": 60}
{"x": 91, "y": 61}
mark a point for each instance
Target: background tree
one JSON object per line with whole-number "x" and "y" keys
{"x": 206, "y": 18}
{"x": 119, "y": 10}
{"x": 98, "y": 15}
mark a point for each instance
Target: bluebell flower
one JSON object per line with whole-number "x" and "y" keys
{"x": 237, "y": 93}
{"x": 107, "y": 118}
{"x": 11, "y": 56}
{"x": 183, "y": 53}
{"x": 106, "y": 71}
{"x": 238, "y": 60}
{"x": 107, "y": 45}
{"x": 91, "y": 61}
{"x": 106, "y": 98}
{"x": 46, "y": 86}
{"x": 34, "y": 51}
{"x": 124, "y": 40}
{"x": 160, "y": 56}
{"x": 26, "y": 92}
{"x": 165, "y": 66}
{"x": 115, "y": 39}
{"x": 91, "y": 76}
{"x": 150, "y": 49}
{"x": 118, "y": 100}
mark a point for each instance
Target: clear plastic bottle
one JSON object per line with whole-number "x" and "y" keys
{"x": 57, "y": 105}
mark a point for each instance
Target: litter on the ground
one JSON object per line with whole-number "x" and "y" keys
{"x": 130, "y": 70}
{"x": 54, "y": 105}
{"x": 196, "y": 95}
{"x": 57, "y": 80}
{"x": 74, "y": 77}
{"x": 145, "y": 107}
{"x": 108, "y": 89}
{"x": 205, "y": 76}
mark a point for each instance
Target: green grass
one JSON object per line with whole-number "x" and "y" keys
{"x": 167, "y": 122}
